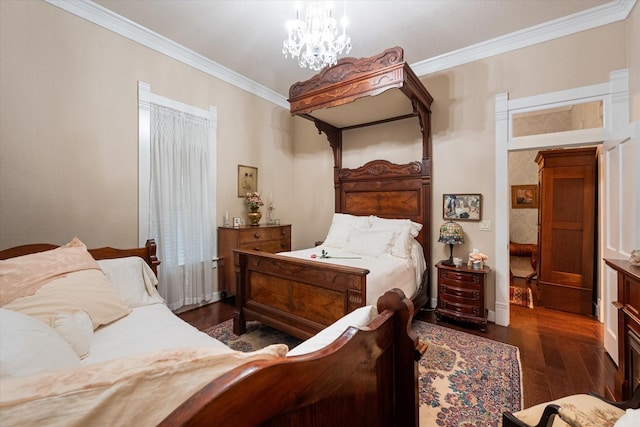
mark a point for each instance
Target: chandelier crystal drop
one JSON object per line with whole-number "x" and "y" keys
{"x": 316, "y": 40}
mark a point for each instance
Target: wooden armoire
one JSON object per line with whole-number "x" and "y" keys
{"x": 567, "y": 180}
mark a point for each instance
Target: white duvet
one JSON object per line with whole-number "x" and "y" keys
{"x": 384, "y": 273}
{"x": 146, "y": 329}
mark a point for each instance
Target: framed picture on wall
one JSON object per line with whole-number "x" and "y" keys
{"x": 247, "y": 180}
{"x": 524, "y": 196}
{"x": 464, "y": 207}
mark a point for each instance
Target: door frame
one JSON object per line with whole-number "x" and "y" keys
{"x": 615, "y": 100}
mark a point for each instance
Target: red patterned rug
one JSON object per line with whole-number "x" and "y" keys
{"x": 465, "y": 380}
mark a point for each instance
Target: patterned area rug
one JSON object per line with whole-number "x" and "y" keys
{"x": 257, "y": 336}
{"x": 465, "y": 380}
{"x": 521, "y": 296}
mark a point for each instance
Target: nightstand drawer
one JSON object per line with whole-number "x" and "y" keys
{"x": 250, "y": 236}
{"x": 459, "y": 276}
{"x": 460, "y": 309}
{"x": 271, "y": 246}
{"x": 460, "y": 293}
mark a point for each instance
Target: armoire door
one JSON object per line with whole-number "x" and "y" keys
{"x": 567, "y": 180}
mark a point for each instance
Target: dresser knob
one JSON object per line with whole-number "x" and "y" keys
{"x": 256, "y": 236}
{"x": 256, "y": 248}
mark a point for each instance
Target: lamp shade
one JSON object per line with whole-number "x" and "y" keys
{"x": 451, "y": 233}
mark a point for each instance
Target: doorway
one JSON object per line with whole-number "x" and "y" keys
{"x": 615, "y": 116}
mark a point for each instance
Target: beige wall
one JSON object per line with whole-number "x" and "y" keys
{"x": 69, "y": 129}
{"x": 523, "y": 170}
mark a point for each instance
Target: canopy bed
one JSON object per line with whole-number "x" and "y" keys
{"x": 142, "y": 350}
{"x": 302, "y": 296}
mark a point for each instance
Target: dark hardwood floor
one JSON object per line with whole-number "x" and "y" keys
{"x": 561, "y": 353}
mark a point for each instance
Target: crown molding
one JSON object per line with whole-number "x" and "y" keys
{"x": 615, "y": 11}
{"x": 105, "y": 18}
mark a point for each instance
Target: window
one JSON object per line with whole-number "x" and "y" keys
{"x": 177, "y": 194}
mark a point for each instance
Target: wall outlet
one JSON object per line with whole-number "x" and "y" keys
{"x": 485, "y": 225}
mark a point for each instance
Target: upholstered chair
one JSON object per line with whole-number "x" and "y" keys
{"x": 579, "y": 410}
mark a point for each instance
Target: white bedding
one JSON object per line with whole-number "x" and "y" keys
{"x": 146, "y": 329}
{"x": 384, "y": 273}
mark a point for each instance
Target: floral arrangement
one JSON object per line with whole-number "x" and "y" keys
{"x": 254, "y": 200}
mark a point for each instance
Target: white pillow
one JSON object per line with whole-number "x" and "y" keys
{"x": 76, "y": 328}
{"x": 377, "y": 223}
{"x": 28, "y": 346}
{"x": 406, "y": 230}
{"x": 340, "y": 227}
{"x": 359, "y": 317}
{"x": 375, "y": 243}
{"x": 631, "y": 418}
{"x": 133, "y": 279}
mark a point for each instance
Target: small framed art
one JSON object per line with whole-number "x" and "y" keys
{"x": 247, "y": 180}
{"x": 464, "y": 207}
{"x": 524, "y": 196}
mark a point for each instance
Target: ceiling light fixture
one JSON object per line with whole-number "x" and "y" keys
{"x": 316, "y": 41}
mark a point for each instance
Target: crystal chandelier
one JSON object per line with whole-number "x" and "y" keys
{"x": 316, "y": 41}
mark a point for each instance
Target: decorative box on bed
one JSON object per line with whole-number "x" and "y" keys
{"x": 303, "y": 296}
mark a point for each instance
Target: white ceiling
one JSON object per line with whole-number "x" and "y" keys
{"x": 245, "y": 36}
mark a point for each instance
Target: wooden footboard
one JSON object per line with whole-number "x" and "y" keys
{"x": 365, "y": 378}
{"x": 297, "y": 296}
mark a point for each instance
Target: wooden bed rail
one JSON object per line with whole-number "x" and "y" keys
{"x": 367, "y": 377}
{"x": 148, "y": 253}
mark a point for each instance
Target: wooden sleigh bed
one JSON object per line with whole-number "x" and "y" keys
{"x": 367, "y": 376}
{"x": 299, "y": 296}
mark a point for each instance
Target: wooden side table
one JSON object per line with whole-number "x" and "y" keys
{"x": 461, "y": 294}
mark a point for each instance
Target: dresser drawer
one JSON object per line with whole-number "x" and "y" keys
{"x": 271, "y": 246}
{"x": 250, "y": 236}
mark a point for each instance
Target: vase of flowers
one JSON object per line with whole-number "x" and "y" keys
{"x": 253, "y": 201}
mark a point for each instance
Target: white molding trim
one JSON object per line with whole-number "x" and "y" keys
{"x": 501, "y": 267}
{"x": 608, "y": 13}
{"x": 615, "y": 11}
{"x": 105, "y": 18}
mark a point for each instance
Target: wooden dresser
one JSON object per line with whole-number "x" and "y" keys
{"x": 628, "y": 305}
{"x": 265, "y": 238}
{"x": 461, "y": 294}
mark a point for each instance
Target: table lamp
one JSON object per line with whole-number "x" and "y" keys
{"x": 451, "y": 233}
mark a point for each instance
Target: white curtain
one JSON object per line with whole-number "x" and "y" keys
{"x": 179, "y": 212}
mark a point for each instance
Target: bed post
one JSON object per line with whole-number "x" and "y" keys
{"x": 406, "y": 347}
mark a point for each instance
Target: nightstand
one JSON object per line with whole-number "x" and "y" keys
{"x": 265, "y": 238}
{"x": 461, "y": 294}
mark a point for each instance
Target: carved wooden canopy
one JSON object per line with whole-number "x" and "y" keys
{"x": 359, "y": 92}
